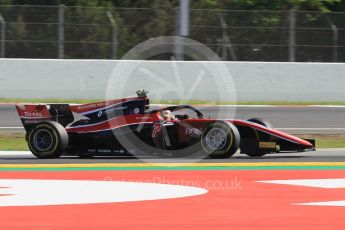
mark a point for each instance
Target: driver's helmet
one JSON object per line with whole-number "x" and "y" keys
{"x": 168, "y": 115}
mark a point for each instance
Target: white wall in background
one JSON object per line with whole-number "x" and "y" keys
{"x": 73, "y": 79}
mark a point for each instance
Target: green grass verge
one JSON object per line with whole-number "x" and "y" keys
{"x": 330, "y": 143}
{"x": 326, "y": 141}
{"x": 12, "y": 142}
{"x": 17, "y": 141}
{"x": 192, "y": 102}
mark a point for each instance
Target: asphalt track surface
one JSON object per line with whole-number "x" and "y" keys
{"x": 326, "y": 155}
{"x": 309, "y": 119}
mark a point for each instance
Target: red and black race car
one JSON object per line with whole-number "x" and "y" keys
{"x": 129, "y": 126}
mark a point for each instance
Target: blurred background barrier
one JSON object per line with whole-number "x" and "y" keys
{"x": 74, "y": 32}
{"x": 253, "y": 81}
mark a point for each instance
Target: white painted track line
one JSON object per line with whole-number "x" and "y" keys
{"x": 16, "y": 154}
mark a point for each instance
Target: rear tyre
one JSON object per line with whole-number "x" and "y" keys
{"x": 48, "y": 139}
{"x": 260, "y": 136}
{"x": 220, "y": 139}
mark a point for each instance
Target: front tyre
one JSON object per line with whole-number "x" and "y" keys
{"x": 48, "y": 139}
{"x": 220, "y": 139}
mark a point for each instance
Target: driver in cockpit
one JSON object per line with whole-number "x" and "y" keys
{"x": 168, "y": 115}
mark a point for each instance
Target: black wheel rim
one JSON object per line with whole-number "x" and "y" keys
{"x": 43, "y": 140}
{"x": 216, "y": 139}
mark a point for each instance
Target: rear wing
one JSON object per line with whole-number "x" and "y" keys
{"x": 31, "y": 114}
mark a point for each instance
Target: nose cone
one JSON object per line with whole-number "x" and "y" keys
{"x": 309, "y": 143}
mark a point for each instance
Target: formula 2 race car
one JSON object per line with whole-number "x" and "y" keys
{"x": 129, "y": 126}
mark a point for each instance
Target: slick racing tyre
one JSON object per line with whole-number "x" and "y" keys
{"x": 220, "y": 139}
{"x": 48, "y": 139}
{"x": 260, "y": 136}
